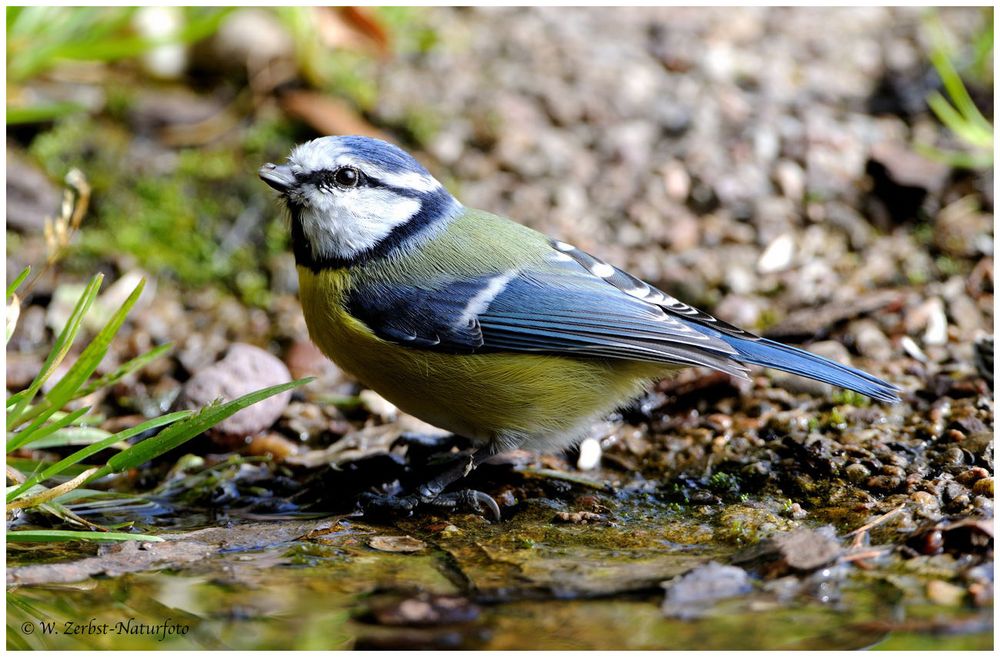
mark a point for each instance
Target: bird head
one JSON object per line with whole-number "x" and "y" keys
{"x": 351, "y": 198}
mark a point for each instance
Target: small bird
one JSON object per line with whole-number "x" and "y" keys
{"x": 482, "y": 326}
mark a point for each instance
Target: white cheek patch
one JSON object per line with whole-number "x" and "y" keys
{"x": 345, "y": 223}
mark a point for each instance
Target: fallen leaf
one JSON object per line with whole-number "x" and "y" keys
{"x": 328, "y": 116}
{"x": 397, "y": 544}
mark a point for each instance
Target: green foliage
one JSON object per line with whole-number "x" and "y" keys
{"x": 412, "y": 30}
{"x": 180, "y": 222}
{"x": 723, "y": 483}
{"x": 41, "y": 38}
{"x": 957, "y": 111}
{"x": 851, "y": 398}
{"x": 40, "y": 421}
{"x": 52, "y": 535}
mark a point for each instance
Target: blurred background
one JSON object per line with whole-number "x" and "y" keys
{"x": 819, "y": 176}
{"x": 679, "y": 143}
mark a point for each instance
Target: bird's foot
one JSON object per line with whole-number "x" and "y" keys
{"x": 474, "y": 501}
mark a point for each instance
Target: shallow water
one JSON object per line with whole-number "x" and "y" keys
{"x": 525, "y": 583}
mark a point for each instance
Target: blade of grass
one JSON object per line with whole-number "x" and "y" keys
{"x": 63, "y": 391}
{"x": 87, "y": 41}
{"x": 952, "y": 81}
{"x": 41, "y": 113}
{"x": 179, "y": 433}
{"x": 13, "y": 314}
{"x": 59, "y": 350}
{"x": 28, "y": 466}
{"x": 16, "y": 283}
{"x": 90, "y": 450}
{"x": 51, "y": 535}
{"x": 57, "y": 510}
{"x": 17, "y": 397}
{"x": 955, "y": 122}
{"x": 70, "y": 437}
{"x": 27, "y": 436}
{"x": 48, "y": 494}
{"x": 956, "y": 159}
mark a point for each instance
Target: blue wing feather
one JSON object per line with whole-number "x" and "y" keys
{"x": 768, "y": 353}
{"x": 574, "y": 304}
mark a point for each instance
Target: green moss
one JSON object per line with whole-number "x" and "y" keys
{"x": 421, "y": 125}
{"x": 836, "y": 419}
{"x": 768, "y": 318}
{"x": 851, "y": 398}
{"x": 923, "y": 233}
{"x": 723, "y": 483}
{"x": 949, "y": 266}
{"x": 745, "y": 524}
{"x": 411, "y": 29}
{"x": 352, "y": 75}
{"x": 916, "y": 276}
{"x": 175, "y": 217}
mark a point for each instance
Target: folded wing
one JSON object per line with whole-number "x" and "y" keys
{"x": 571, "y": 303}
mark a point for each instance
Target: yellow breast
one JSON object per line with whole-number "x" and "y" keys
{"x": 544, "y": 400}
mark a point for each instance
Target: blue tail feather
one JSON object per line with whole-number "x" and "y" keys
{"x": 767, "y": 353}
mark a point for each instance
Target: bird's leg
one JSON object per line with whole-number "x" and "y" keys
{"x": 431, "y": 492}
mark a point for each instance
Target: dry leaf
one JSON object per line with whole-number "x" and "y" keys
{"x": 352, "y": 28}
{"x": 328, "y": 116}
{"x": 397, "y": 544}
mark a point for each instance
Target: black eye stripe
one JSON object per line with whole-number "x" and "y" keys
{"x": 328, "y": 178}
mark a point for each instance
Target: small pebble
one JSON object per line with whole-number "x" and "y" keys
{"x": 378, "y": 405}
{"x": 677, "y": 181}
{"x": 778, "y": 255}
{"x": 870, "y": 340}
{"x": 272, "y": 444}
{"x": 945, "y": 593}
{"x": 883, "y": 483}
{"x": 972, "y": 475}
{"x": 893, "y": 471}
{"x": 590, "y": 454}
{"x": 924, "y": 499}
{"x": 937, "y": 325}
{"x": 163, "y": 24}
{"x": 857, "y": 473}
{"x": 244, "y": 369}
{"x": 912, "y": 350}
{"x": 984, "y": 487}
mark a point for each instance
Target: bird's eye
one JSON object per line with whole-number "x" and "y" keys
{"x": 347, "y": 177}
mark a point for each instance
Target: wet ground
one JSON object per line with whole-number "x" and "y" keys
{"x": 759, "y": 164}
{"x": 529, "y": 582}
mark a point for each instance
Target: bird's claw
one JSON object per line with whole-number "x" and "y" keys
{"x": 475, "y": 501}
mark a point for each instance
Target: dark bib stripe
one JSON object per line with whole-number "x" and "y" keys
{"x": 434, "y": 207}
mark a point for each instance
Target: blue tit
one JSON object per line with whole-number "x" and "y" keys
{"x": 482, "y": 326}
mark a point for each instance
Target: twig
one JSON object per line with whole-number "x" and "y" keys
{"x": 859, "y": 533}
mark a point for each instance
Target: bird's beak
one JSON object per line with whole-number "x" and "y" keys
{"x": 278, "y": 176}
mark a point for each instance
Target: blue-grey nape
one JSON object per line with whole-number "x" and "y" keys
{"x": 382, "y": 154}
